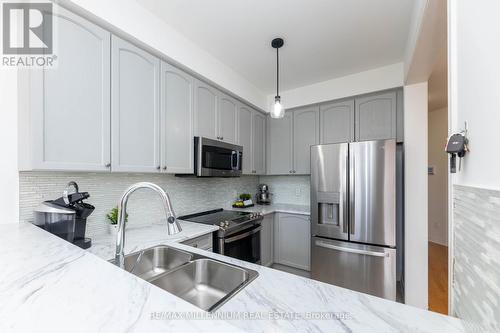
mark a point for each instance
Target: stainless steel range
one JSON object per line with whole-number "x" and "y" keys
{"x": 238, "y": 235}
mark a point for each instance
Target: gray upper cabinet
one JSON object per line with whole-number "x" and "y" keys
{"x": 279, "y": 152}
{"x": 337, "y": 122}
{"x": 177, "y": 117}
{"x": 227, "y": 118}
{"x": 376, "y": 117}
{"x": 400, "y": 116}
{"x": 245, "y": 118}
{"x": 305, "y": 134}
{"x": 259, "y": 143}
{"x": 69, "y": 103}
{"x": 205, "y": 105}
{"x": 135, "y": 109}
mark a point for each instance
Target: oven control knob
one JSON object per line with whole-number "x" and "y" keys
{"x": 222, "y": 224}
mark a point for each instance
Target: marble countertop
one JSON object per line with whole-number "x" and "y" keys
{"x": 48, "y": 284}
{"x": 142, "y": 237}
{"x": 276, "y": 208}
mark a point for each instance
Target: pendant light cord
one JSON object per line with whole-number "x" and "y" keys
{"x": 277, "y": 72}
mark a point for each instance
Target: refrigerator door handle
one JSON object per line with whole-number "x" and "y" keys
{"x": 351, "y": 189}
{"x": 350, "y": 250}
{"x": 344, "y": 201}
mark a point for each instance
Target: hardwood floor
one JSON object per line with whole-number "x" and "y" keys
{"x": 438, "y": 278}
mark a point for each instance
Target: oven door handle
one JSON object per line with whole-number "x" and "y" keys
{"x": 246, "y": 234}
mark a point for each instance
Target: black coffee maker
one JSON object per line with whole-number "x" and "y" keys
{"x": 66, "y": 216}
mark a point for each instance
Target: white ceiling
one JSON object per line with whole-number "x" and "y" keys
{"x": 324, "y": 39}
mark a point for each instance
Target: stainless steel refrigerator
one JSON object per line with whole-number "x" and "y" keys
{"x": 353, "y": 216}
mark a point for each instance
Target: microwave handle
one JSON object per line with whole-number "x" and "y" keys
{"x": 233, "y": 154}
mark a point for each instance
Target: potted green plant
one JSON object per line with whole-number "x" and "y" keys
{"x": 112, "y": 217}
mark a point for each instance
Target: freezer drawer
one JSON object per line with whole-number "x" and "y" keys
{"x": 363, "y": 268}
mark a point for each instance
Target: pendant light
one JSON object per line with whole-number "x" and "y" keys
{"x": 277, "y": 111}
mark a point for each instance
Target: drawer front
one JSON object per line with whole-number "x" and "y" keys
{"x": 203, "y": 242}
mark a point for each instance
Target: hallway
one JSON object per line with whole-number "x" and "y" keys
{"x": 438, "y": 278}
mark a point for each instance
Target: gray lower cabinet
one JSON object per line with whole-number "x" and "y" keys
{"x": 337, "y": 122}
{"x": 135, "y": 112}
{"x": 177, "y": 117}
{"x": 203, "y": 242}
{"x": 280, "y": 141}
{"x": 205, "y": 110}
{"x": 68, "y": 103}
{"x": 305, "y": 134}
{"x": 376, "y": 116}
{"x": 267, "y": 241}
{"x": 227, "y": 115}
{"x": 259, "y": 143}
{"x": 292, "y": 239}
{"x": 245, "y": 136}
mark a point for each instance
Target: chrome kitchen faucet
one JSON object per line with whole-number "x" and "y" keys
{"x": 173, "y": 226}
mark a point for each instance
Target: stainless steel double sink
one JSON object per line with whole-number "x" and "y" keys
{"x": 201, "y": 281}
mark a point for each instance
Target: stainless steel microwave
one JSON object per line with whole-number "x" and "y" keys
{"x": 214, "y": 158}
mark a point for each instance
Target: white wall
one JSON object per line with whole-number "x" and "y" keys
{"x": 9, "y": 180}
{"x": 438, "y": 182}
{"x": 474, "y": 96}
{"x": 355, "y": 84}
{"x": 415, "y": 129}
{"x": 475, "y": 88}
{"x": 135, "y": 20}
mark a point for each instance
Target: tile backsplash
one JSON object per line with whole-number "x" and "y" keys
{"x": 288, "y": 189}
{"x": 188, "y": 194}
{"x": 476, "y": 238}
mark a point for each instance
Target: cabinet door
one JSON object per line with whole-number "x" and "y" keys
{"x": 267, "y": 240}
{"x": 245, "y": 129}
{"x": 70, "y": 103}
{"x": 177, "y": 115}
{"x": 227, "y": 116}
{"x": 293, "y": 237}
{"x": 259, "y": 143}
{"x": 205, "y": 105}
{"x": 376, "y": 117}
{"x": 337, "y": 122}
{"x": 305, "y": 134}
{"x": 279, "y": 153}
{"x": 135, "y": 109}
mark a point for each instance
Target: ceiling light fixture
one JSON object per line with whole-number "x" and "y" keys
{"x": 277, "y": 111}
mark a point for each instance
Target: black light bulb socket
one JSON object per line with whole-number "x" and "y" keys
{"x": 277, "y": 43}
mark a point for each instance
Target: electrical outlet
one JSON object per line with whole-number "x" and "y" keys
{"x": 297, "y": 191}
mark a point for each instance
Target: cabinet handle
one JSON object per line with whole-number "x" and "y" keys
{"x": 158, "y": 167}
{"x": 218, "y": 138}
{"x": 107, "y": 165}
{"x": 222, "y": 138}
{"x": 294, "y": 171}
{"x": 165, "y": 168}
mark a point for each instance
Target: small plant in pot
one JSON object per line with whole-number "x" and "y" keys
{"x": 112, "y": 216}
